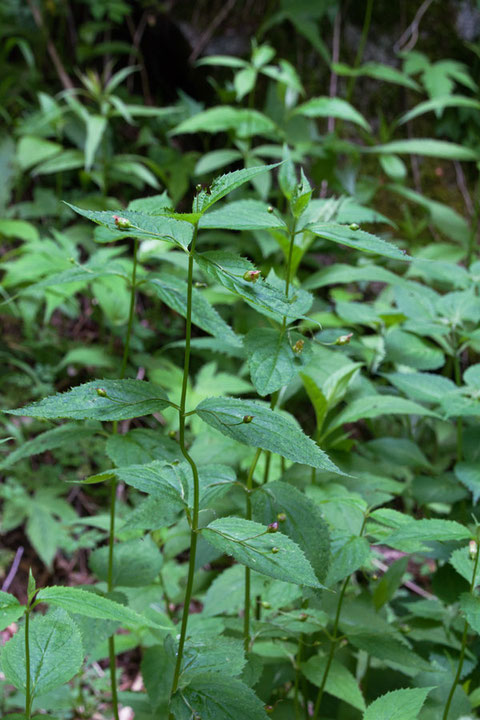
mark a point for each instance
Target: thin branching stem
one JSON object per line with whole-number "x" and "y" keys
{"x": 113, "y": 488}
{"x": 189, "y": 459}
{"x": 464, "y": 644}
{"x": 247, "y": 603}
{"x": 28, "y": 682}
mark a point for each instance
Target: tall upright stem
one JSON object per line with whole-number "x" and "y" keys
{"x": 113, "y": 488}
{"x": 458, "y": 380}
{"x": 333, "y": 643}
{"x": 28, "y": 698}
{"x": 196, "y": 486}
{"x": 361, "y": 47}
{"x": 247, "y": 603}
{"x": 464, "y": 645}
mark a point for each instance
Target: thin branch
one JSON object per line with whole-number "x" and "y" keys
{"x": 13, "y": 570}
{"x": 216, "y": 22}
{"x": 409, "y": 38}
{"x": 61, "y": 72}
{"x": 462, "y": 186}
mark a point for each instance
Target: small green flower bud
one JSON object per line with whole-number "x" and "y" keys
{"x": 298, "y": 347}
{"x": 268, "y": 708}
{"x": 275, "y": 550}
{"x": 343, "y": 339}
{"x": 247, "y": 419}
{"x": 251, "y": 275}
{"x": 354, "y": 226}
{"x": 200, "y": 285}
{"x": 303, "y": 617}
{"x": 273, "y": 527}
{"x": 270, "y": 209}
{"x": 122, "y": 223}
{"x": 101, "y": 392}
{"x": 266, "y": 605}
{"x": 472, "y": 549}
{"x": 172, "y": 434}
{"x": 281, "y": 517}
{"x": 198, "y": 187}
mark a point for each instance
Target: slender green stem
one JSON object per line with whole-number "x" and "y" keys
{"x": 113, "y": 488}
{"x": 361, "y": 47}
{"x": 288, "y": 270}
{"x": 28, "y": 698}
{"x": 464, "y": 644}
{"x": 334, "y": 640}
{"x": 196, "y": 486}
{"x": 458, "y": 380}
{"x": 247, "y": 603}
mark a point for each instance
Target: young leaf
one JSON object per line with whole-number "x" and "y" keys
{"x": 90, "y": 604}
{"x": 266, "y": 429}
{"x": 357, "y": 239}
{"x": 225, "y": 184}
{"x": 141, "y": 225}
{"x": 271, "y": 359}
{"x": 56, "y": 653}
{"x": 241, "y": 215}
{"x": 340, "y": 681}
{"x": 397, "y": 705}
{"x": 211, "y": 696}
{"x": 10, "y": 609}
{"x": 300, "y": 518}
{"x": 272, "y": 554}
{"x": 100, "y": 400}
{"x": 332, "y": 107}
{"x": 219, "y": 119}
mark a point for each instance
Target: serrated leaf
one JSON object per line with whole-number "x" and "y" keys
{"x": 397, "y": 705}
{"x": 214, "y": 697}
{"x": 470, "y": 607}
{"x": 143, "y": 225}
{"x": 56, "y": 653}
{"x": 424, "y": 387}
{"x": 348, "y": 555}
{"x": 10, "y": 609}
{"x": 271, "y": 359}
{"x": 268, "y": 430}
{"x": 90, "y": 604}
{"x": 332, "y": 107}
{"x": 250, "y": 544}
{"x": 389, "y": 649}
{"x": 464, "y": 563}
{"x": 340, "y": 681}
{"x": 135, "y": 563}
{"x": 123, "y": 399}
{"x": 219, "y": 119}
{"x": 423, "y": 531}
{"x": 140, "y": 446}
{"x": 212, "y": 655}
{"x": 173, "y": 292}
{"x": 49, "y": 440}
{"x": 162, "y": 480}
{"x": 357, "y": 239}
{"x": 303, "y": 521}
{"x": 241, "y": 215}
{"x": 225, "y": 184}
{"x": 469, "y": 475}
{"x": 405, "y": 348}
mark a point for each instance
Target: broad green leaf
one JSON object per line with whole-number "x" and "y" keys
{"x": 388, "y": 648}
{"x": 425, "y": 531}
{"x": 93, "y": 356}
{"x": 215, "y": 160}
{"x": 140, "y": 446}
{"x": 357, "y": 239}
{"x": 19, "y": 229}
{"x": 340, "y": 681}
{"x": 346, "y": 274}
{"x": 472, "y": 376}
{"x": 241, "y": 215}
{"x": 32, "y": 150}
{"x": 10, "y": 609}
{"x": 332, "y": 107}
{"x": 404, "y": 348}
{"x": 301, "y": 520}
{"x": 56, "y": 653}
{"x": 100, "y": 400}
{"x": 439, "y": 103}
{"x": 211, "y": 696}
{"x": 61, "y": 162}
{"x": 267, "y": 429}
{"x": 135, "y": 563}
{"x": 390, "y": 582}
{"x": 229, "y": 270}
{"x": 223, "y": 655}
{"x": 49, "y": 440}
{"x": 464, "y": 563}
{"x": 143, "y": 226}
{"x": 96, "y": 126}
{"x": 245, "y": 123}
{"x": 272, "y": 360}
{"x": 90, "y": 604}
{"x": 425, "y": 146}
{"x": 397, "y": 705}
{"x": 372, "y": 406}
{"x": 251, "y": 544}
{"x": 157, "y": 671}
{"x": 424, "y": 387}
{"x": 378, "y": 71}
{"x": 225, "y": 184}
{"x": 162, "y": 480}
{"x": 470, "y": 607}
{"x": 348, "y": 555}
{"x": 173, "y": 292}
{"x": 469, "y": 475}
